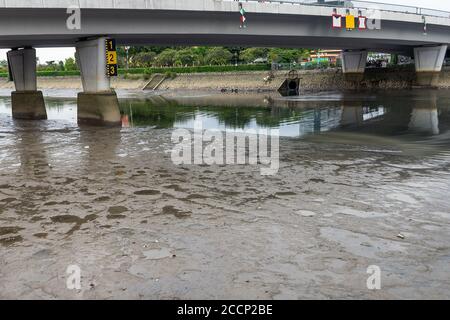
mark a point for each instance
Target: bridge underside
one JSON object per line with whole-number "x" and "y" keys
{"x": 217, "y": 40}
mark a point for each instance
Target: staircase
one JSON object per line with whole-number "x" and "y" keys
{"x": 155, "y": 82}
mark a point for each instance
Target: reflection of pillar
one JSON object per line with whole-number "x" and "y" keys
{"x": 429, "y": 61}
{"x": 317, "y": 120}
{"x": 424, "y": 116}
{"x": 352, "y": 114}
{"x": 354, "y": 64}
{"x": 27, "y": 102}
{"x": 98, "y": 104}
{"x": 31, "y": 152}
{"x": 99, "y": 149}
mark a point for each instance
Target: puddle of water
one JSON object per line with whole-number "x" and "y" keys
{"x": 361, "y": 244}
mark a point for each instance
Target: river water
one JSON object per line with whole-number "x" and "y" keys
{"x": 363, "y": 180}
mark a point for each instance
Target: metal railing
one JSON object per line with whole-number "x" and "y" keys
{"x": 365, "y": 5}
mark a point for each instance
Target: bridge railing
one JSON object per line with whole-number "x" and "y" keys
{"x": 327, "y": 3}
{"x": 368, "y": 5}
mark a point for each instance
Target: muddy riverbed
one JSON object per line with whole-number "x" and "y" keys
{"x": 362, "y": 181}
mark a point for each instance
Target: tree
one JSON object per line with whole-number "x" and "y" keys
{"x": 218, "y": 56}
{"x": 186, "y": 57}
{"x": 70, "y": 64}
{"x": 143, "y": 59}
{"x": 146, "y": 56}
{"x": 394, "y": 59}
{"x": 251, "y": 54}
{"x": 166, "y": 58}
{"x": 50, "y": 66}
{"x": 3, "y": 66}
{"x": 287, "y": 55}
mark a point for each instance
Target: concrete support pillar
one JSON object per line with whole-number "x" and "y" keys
{"x": 429, "y": 61}
{"x": 26, "y": 101}
{"x": 98, "y": 104}
{"x": 354, "y": 64}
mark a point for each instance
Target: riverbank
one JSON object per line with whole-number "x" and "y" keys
{"x": 253, "y": 81}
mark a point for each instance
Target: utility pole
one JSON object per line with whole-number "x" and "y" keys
{"x": 127, "y": 48}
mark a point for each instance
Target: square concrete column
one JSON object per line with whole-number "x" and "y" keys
{"x": 26, "y": 101}
{"x": 354, "y": 64}
{"x": 98, "y": 104}
{"x": 429, "y": 61}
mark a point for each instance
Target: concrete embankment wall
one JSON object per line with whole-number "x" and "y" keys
{"x": 75, "y": 83}
{"x": 314, "y": 80}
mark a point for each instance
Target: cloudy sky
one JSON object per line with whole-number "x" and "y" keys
{"x": 47, "y": 54}
{"x": 433, "y": 4}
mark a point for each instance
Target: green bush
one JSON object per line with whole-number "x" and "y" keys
{"x": 324, "y": 64}
{"x": 311, "y": 65}
{"x": 170, "y": 75}
{"x": 58, "y": 73}
{"x": 132, "y": 76}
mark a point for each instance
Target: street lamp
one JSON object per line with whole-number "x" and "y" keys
{"x": 127, "y": 48}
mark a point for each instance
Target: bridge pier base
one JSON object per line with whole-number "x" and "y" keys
{"x": 429, "y": 61}
{"x": 98, "y": 104}
{"x": 354, "y": 65}
{"x": 26, "y": 101}
{"x": 100, "y": 108}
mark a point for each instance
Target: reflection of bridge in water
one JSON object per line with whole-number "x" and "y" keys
{"x": 427, "y": 114}
{"x": 294, "y": 118}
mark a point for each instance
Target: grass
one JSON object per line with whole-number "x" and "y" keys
{"x": 164, "y": 70}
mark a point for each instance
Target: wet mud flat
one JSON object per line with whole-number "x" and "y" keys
{"x": 139, "y": 227}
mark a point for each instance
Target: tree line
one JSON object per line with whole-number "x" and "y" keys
{"x": 153, "y": 56}
{"x": 142, "y": 57}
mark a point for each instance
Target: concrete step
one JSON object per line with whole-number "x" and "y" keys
{"x": 155, "y": 82}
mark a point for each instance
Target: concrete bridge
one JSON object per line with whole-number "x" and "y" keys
{"x": 26, "y": 24}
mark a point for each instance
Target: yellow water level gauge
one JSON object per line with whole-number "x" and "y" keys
{"x": 111, "y": 58}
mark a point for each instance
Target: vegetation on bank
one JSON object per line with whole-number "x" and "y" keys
{"x": 150, "y": 56}
{"x": 170, "y": 72}
{"x": 148, "y": 60}
{"x": 139, "y": 62}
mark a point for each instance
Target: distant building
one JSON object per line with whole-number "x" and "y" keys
{"x": 379, "y": 56}
{"x": 325, "y": 55}
{"x": 378, "y": 60}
